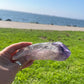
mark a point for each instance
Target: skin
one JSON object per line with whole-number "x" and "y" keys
{"x": 8, "y": 68}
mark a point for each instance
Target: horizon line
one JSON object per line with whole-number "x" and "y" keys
{"x": 41, "y": 14}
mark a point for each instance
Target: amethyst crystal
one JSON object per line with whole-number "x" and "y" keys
{"x": 63, "y": 49}
{"x": 45, "y": 51}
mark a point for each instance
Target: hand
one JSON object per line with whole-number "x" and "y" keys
{"x": 8, "y": 69}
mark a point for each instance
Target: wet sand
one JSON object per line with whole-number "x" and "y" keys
{"x": 20, "y": 25}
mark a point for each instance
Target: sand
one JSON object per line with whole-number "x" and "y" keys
{"x": 20, "y": 25}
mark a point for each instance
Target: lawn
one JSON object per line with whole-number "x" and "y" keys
{"x": 70, "y": 71}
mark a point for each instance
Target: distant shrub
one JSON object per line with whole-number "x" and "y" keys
{"x": 8, "y": 20}
{"x": 74, "y": 25}
{"x": 35, "y": 22}
{"x": 52, "y": 24}
{"x": 0, "y": 19}
{"x": 68, "y": 25}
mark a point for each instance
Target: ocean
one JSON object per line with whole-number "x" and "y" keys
{"x": 39, "y": 19}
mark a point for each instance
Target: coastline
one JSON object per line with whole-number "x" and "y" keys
{"x": 21, "y": 25}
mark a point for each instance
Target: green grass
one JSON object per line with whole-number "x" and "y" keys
{"x": 70, "y": 71}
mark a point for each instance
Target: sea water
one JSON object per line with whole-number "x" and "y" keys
{"x": 39, "y": 19}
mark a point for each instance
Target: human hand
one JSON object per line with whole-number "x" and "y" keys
{"x": 8, "y": 69}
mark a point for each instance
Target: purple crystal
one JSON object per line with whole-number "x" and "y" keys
{"x": 64, "y": 49}
{"x": 45, "y": 51}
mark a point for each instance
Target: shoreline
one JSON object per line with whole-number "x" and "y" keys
{"x": 21, "y": 25}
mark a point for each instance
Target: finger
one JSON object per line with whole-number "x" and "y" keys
{"x": 28, "y": 64}
{"x": 12, "y": 48}
{"x": 14, "y": 67}
{"x": 14, "y": 53}
{"x": 24, "y": 61}
{"x": 12, "y": 56}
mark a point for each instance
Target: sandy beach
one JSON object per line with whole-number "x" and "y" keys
{"x": 20, "y": 25}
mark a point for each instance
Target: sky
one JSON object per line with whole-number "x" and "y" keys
{"x": 63, "y": 8}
